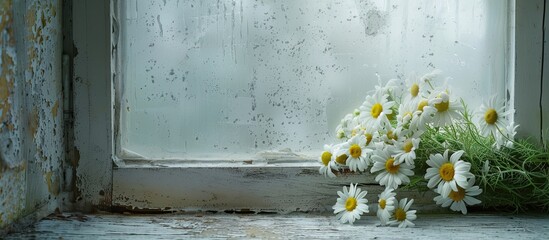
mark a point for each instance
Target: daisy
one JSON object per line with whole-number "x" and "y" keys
{"x": 375, "y": 109}
{"x": 386, "y": 205}
{"x": 357, "y": 153}
{"x": 422, "y": 116}
{"x": 448, "y": 174}
{"x": 402, "y": 215}
{"x": 392, "y": 87}
{"x": 405, "y": 112}
{"x": 507, "y": 138}
{"x": 457, "y": 200}
{"x": 339, "y": 158}
{"x": 351, "y": 204}
{"x": 371, "y": 137}
{"x": 446, "y": 110}
{"x": 390, "y": 135}
{"x": 416, "y": 88}
{"x": 405, "y": 150}
{"x": 430, "y": 76}
{"x": 328, "y": 162}
{"x": 493, "y": 117}
{"x": 346, "y": 126}
{"x": 394, "y": 174}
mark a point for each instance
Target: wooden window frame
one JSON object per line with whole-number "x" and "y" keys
{"x": 105, "y": 181}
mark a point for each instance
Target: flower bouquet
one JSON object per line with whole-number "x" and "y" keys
{"x": 416, "y": 134}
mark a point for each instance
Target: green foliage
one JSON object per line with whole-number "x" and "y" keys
{"x": 517, "y": 178}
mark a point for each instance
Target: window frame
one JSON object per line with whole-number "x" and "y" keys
{"x": 107, "y": 182}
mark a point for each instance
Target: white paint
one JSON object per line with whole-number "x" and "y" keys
{"x": 93, "y": 102}
{"x": 294, "y": 226}
{"x": 545, "y": 90}
{"x": 274, "y": 188}
{"x": 528, "y": 43}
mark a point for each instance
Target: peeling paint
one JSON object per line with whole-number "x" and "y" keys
{"x": 31, "y": 151}
{"x": 12, "y": 168}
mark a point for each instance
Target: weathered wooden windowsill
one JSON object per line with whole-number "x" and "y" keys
{"x": 289, "y": 226}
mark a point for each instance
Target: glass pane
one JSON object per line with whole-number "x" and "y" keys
{"x": 222, "y": 79}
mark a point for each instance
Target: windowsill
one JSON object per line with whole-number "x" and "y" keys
{"x": 290, "y": 226}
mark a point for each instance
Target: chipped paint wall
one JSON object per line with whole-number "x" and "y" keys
{"x": 31, "y": 129}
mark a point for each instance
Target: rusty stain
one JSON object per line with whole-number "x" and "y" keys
{"x": 7, "y": 71}
{"x": 31, "y": 17}
{"x": 52, "y": 182}
{"x": 33, "y": 121}
{"x": 54, "y": 109}
{"x": 43, "y": 19}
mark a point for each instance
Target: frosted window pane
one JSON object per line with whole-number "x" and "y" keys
{"x": 228, "y": 79}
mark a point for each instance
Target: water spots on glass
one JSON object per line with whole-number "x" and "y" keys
{"x": 252, "y": 76}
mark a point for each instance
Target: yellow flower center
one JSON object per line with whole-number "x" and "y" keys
{"x": 326, "y": 157}
{"x": 414, "y": 90}
{"x": 400, "y": 214}
{"x": 382, "y": 203}
{"x": 355, "y": 151}
{"x": 376, "y": 110}
{"x": 368, "y": 138}
{"x": 390, "y": 135}
{"x": 408, "y": 146}
{"x": 354, "y": 132}
{"x": 442, "y": 106}
{"x": 392, "y": 169}
{"x": 446, "y": 171}
{"x": 491, "y": 116}
{"x": 350, "y": 204}
{"x": 457, "y": 196}
{"x": 422, "y": 104}
{"x": 408, "y": 114}
{"x": 341, "y": 159}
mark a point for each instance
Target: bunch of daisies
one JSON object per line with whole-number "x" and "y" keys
{"x": 383, "y": 137}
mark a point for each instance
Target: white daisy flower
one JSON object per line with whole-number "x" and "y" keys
{"x": 394, "y": 174}
{"x": 346, "y": 126}
{"x": 375, "y": 109}
{"x": 507, "y": 138}
{"x": 390, "y": 135}
{"x": 351, "y": 204}
{"x": 357, "y": 153}
{"x": 406, "y": 112}
{"x": 339, "y": 158}
{"x": 328, "y": 162}
{"x": 457, "y": 200}
{"x": 371, "y": 138}
{"x": 403, "y": 216}
{"x": 447, "y": 110}
{"x": 416, "y": 88}
{"x": 340, "y": 134}
{"x": 492, "y": 116}
{"x": 431, "y": 76}
{"x": 422, "y": 116}
{"x": 448, "y": 174}
{"x": 393, "y": 87}
{"x": 386, "y": 205}
{"x": 405, "y": 151}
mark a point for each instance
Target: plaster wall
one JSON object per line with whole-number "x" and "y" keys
{"x": 31, "y": 111}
